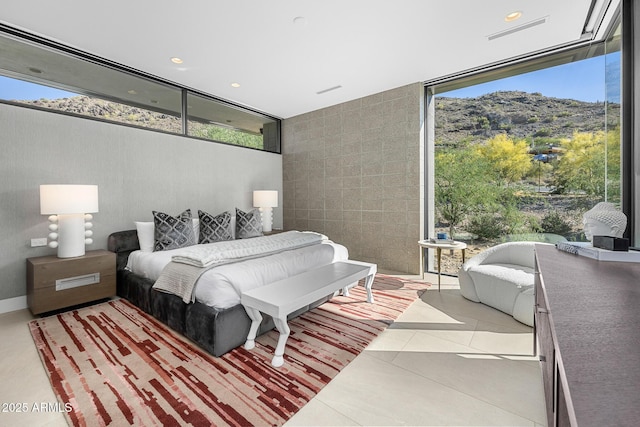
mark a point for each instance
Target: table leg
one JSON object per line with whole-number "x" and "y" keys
{"x": 463, "y": 254}
{"x": 256, "y": 319}
{"x": 439, "y": 256}
{"x": 422, "y": 261}
{"x": 283, "y": 328}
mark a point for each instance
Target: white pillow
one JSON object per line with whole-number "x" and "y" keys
{"x": 146, "y": 236}
{"x": 146, "y": 233}
{"x": 196, "y": 227}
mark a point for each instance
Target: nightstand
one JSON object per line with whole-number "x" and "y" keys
{"x": 54, "y": 283}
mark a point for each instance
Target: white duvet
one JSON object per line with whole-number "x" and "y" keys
{"x": 221, "y": 286}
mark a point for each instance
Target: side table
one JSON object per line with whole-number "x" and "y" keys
{"x": 439, "y": 246}
{"x": 54, "y": 283}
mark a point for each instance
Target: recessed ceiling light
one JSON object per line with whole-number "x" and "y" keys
{"x": 176, "y": 60}
{"x": 235, "y": 84}
{"x": 513, "y": 16}
{"x": 132, "y": 92}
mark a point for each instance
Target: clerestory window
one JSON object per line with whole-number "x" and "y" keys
{"x": 39, "y": 74}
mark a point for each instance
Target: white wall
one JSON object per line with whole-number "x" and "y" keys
{"x": 137, "y": 171}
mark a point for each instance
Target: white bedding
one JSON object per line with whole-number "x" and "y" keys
{"x": 234, "y": 250}
{"x": 221, "y": 286}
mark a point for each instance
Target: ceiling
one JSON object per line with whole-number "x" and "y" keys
{"x": 286, "y": 54}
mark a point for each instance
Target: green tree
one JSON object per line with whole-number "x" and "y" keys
{"x": 461, "y": 185}
{"x": 231, "y": 136}
{"x": 589, "y": 163}
{"x": 508, "y": 159}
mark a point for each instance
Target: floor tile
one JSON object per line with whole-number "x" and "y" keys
{"x": 488, "y": 377}
{"x": 22, "y": 377}
{"x": 373, "y": 392}
{"x": 316, "y": 413}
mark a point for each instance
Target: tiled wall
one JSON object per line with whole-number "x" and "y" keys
{"x": 352, "y": 172}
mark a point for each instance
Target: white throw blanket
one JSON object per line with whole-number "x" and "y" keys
{"x": 179, "y": 277}
{"x": 219, "y": 252}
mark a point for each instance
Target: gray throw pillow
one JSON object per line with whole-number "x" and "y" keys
{"x": 214, "y": 228}
{"x": 173, "y": 232}
{"x": 248, "y": 224}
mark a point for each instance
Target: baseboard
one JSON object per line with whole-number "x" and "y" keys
{"x": 13, "y": 304}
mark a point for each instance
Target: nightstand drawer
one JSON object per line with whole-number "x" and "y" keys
{"x": 54, "y": 283}
{"x": 46, "y": 270}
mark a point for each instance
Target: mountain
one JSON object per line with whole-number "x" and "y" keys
{"x": 521, "y": 115}
{"x": 103, "y": 109}
{"x": 472, "y": 120}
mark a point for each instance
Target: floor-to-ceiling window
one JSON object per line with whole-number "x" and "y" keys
{"x": 520, "y": 153}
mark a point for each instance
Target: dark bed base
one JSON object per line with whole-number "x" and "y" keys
{"x": 217, "y": 331}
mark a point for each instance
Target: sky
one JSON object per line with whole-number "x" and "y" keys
{"x": 11, "y": 89}
{"x": 581, "y": 81}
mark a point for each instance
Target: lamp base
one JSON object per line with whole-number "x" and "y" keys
{"x": 267, "y": 219}
{"x": 71, "y": 237}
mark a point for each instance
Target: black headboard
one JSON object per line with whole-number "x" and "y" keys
{"x": 123, "y": 243}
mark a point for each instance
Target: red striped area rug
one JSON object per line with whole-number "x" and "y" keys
{"x": 112, "y": 364}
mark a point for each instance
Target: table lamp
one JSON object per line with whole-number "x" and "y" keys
{"x": 70, "y": 208}
{"x": 266, "y": 200}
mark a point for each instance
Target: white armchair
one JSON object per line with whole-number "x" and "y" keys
{"x": 502, "y": 277}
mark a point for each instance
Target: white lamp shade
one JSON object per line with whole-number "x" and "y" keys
{"x": 68, "y": 199}
{"x": 265, "y": 199}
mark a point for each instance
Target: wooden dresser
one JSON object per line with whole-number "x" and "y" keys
{"x": 587, "y": 322}
{"x": 54, "y": 283}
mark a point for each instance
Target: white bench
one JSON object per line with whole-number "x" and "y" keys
{"x": 283, "y": 297}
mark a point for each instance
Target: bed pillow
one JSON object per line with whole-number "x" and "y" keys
{"x": 248, "y": 224}
{"x": 173, "y": 232}
{"x": 146, "y": 237}
{"x": 146, "y": 233}
{"x": 214, "y": 228}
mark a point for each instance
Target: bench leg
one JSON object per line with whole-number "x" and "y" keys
{"x": 283, "y": 328}
{"x": 256, "y": 319}
{"x": 345, "y": 290}
{"x": 368, "y": 282}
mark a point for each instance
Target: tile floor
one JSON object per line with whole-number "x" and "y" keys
{"x": 445, "y": 361}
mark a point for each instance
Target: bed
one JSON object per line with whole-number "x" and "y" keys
{"x": 215, "y": 319}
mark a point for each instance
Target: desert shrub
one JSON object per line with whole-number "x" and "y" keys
{"x": 483, "y": 123}
{"x": 534, "y": 224}
{"x": 542, "y": 132}
{"x": 553, "y": 222}
{"x": 486, "y": 226}
{"x": 517, "y": 222}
